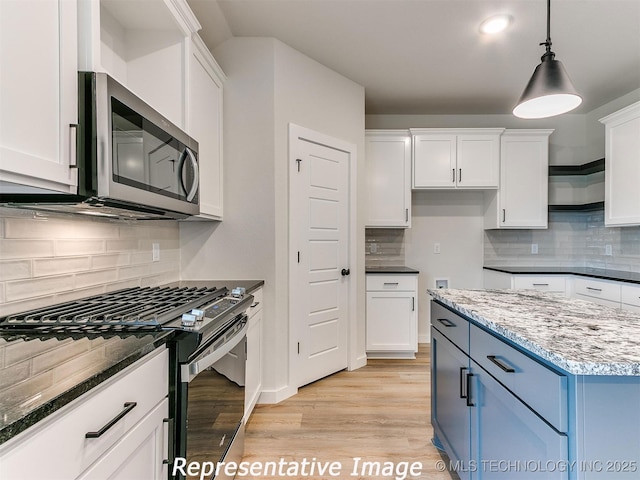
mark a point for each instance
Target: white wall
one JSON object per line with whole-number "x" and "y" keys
{"x": 269, "y": 86}
{"x": 454, "y": 219}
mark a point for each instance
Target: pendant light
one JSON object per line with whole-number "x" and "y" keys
{"x": 550, "y": 91}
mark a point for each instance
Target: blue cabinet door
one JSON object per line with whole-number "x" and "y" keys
{"x": 510, "y": 441}
{"x": 450, "y": 415}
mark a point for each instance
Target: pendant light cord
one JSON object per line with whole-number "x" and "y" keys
{"x": 548, "y": 55}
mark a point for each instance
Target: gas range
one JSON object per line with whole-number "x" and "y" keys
{"x": 199, "y": 314}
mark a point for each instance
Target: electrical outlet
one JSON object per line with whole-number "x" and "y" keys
{"x": 373, "y": 247}
{"x": 608, "y": 250}
{"x": 155, "y": 252}
{"x": 436, "y": 248}
{"x": 534, "y": 248}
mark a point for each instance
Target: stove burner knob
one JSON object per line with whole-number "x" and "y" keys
{"x": 188, "y": 320}
{"x": 199, "y": 314}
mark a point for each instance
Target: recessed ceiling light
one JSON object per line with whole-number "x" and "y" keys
{"x": 495, "y": 24}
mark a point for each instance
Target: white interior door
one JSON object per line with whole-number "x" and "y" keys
{"x": 319, "y": 288}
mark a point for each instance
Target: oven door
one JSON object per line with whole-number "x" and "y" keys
{"x": 213, "y": 394}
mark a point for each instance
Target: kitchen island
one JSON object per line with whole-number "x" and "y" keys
{"x": 532, "y": 385}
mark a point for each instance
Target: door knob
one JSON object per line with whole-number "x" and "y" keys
{"x": 345, "y": 272}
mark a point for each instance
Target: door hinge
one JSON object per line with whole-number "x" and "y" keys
{"x": 298, "y": 256}
{"x": 298, "y": 161}
{"x": 298, "y": 348}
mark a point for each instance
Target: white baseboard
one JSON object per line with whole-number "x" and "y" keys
{"x": 277, "y": 395}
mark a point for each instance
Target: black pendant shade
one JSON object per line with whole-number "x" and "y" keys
{"x": 550, "y": 91}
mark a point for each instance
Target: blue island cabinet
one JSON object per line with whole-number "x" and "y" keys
{"x": 501, "y": 413}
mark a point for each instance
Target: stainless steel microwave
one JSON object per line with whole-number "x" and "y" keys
{"x": 132, "y": 162}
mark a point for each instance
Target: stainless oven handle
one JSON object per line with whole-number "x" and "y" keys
{"x": 196, "y": 174}
{"x": 189, "y": 371}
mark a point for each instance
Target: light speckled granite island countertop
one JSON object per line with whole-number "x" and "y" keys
{"x": 580, "y": 337}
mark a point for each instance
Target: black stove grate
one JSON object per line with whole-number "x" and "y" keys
{"x": 129, "y": 309}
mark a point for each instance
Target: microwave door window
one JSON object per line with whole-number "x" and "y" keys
{"x": 144, "y": 155}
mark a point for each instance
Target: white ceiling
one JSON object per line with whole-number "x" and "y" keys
{"x": 428, "y": 57}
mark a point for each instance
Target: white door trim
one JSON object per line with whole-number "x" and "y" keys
{"x": 297, "y": 132}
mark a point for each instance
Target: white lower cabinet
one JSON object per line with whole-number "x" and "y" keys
{"x": 139, "y": 454}
{"x": 133, "y": 447}
{"x": 392, "y": 316}
{"x": 602, "y": 292}
{"x": 630, "y": 296}
{"x": 253, "y": 380}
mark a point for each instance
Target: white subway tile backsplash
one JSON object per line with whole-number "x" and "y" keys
{"x": 572, "y": 239}
{"x": 51, "y": 228}
{"x": 112, "y": 260}
{"x": 126, "y": 245}
{"x": 15, "y": 270}
{"x": 79, "y": 247}
{"x": 38, "y": 287}
{"x": 98, "y": 277}
{"x": 56, "y": 266}
{"x": 46, "y": 260}
{"x": 26, "y": 248}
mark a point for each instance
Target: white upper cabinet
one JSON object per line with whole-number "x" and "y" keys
{"x": 622, "y": 167}
{"x": 204, "y": 123}
{"x": 388, "y": 178}
{"x": 143, "y": 45}
{"x": 460, "y": 158}
{"x": 38, "y": 94}
{"x": 522, "y": 199}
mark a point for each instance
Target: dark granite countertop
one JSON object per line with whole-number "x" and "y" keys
{"x": 603, "y": 273}
{"x": 41, "y": 373}
{"x": 249, "y": 285}
{"x": 390, "y": 269}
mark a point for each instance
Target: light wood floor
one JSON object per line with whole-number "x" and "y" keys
{"x": 379, "y": 413}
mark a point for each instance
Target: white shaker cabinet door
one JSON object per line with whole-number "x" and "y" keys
{"x": 622, "y": 167}
{"x": 434, "y": 161}
{"x": 388, "y": 178}
{"x": 38, "y": 93}
{"x": 205, "y": 126}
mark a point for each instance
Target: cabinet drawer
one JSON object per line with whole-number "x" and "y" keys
{"x": 391, "y": 282}
{"x": 256, "y": 306}
{"x": 544, "y": 390}
{"x": 61, "y": 440}
{"x": 537, "y": 282}
{"x": 452, "y": 326}
{"x": 601, "y": 289}
{"x": 630, "y": 294}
